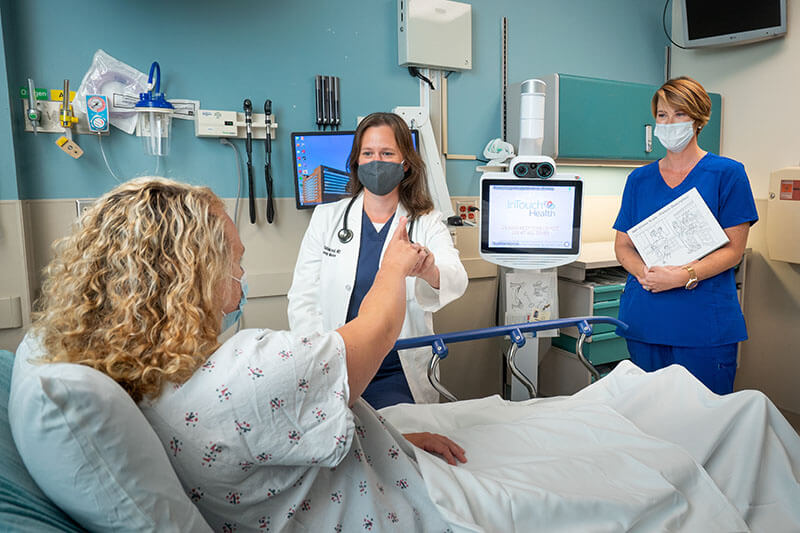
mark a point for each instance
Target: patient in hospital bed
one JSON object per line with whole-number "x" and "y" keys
{"x": 267, "y": 432}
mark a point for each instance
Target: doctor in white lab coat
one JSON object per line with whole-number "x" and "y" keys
{"x": 344, "y": 244}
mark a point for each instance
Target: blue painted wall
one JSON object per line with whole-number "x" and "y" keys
{"x": 8, "y": 170}
{"x": 221, "y": 53}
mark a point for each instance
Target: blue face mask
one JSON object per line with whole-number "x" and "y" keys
{"x": 229, "y": 319}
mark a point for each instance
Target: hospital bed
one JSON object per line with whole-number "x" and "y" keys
{"x": 516, "y": 333}
{"x": 633, "y": 451}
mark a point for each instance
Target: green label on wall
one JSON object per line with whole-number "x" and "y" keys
{"x": 41, "y": 94}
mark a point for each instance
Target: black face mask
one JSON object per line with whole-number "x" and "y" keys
{"x": 380, "y": 177}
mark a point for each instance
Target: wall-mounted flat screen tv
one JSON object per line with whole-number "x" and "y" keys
{"x": 727, "y": 22}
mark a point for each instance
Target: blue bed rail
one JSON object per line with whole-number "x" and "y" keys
{"x": 516, "y": 332}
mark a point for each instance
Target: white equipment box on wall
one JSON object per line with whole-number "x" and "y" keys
{"x": 783, "y": 215}
{"x": 435, "y": 34}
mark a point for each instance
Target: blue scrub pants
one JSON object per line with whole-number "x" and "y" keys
{"x": 715, "y": 366}
{"x": 388, "y": 388}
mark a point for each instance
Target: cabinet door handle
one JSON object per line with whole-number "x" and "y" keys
{"x": 648, "y": 138}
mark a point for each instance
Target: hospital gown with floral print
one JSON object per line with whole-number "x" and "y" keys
{"x": 262, "y": 439}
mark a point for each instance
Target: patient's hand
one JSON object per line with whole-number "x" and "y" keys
{"x": 438, "y": 444}
{"x": 401, "y": 253}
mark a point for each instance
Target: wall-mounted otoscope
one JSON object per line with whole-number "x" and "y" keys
{"x": 268, "y": 161}
{"x": 248, "y": 143}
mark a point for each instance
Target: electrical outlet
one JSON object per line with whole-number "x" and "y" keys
{"x": 83, "y": 206}
{"x": 463, "y": 210}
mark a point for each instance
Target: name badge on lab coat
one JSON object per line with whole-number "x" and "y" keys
{"x": 331, "y": 252}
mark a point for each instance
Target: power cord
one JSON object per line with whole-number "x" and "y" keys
{"x": 414, "y": 71}
{"x": 226, "y": 142}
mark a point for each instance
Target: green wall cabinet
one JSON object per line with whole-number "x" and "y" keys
{"x": 597, "y": 119}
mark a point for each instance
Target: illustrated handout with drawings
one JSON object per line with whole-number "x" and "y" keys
{"x": 682, "y": 231}
{"x": 531, "y": 296}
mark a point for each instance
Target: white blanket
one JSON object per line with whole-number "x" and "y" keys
{"x": 634, "y": 452}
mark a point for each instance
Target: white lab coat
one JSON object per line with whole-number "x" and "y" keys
{"x": 325, "y": 274}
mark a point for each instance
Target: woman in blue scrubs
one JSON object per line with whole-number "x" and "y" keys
{"x": 685, "y": 314}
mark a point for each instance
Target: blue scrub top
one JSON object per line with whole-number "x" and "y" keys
{"x": 708, "y": 315}
{"x": 389, "y": 386}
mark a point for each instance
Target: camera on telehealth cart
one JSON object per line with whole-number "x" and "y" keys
{"x": 532, "y": 166}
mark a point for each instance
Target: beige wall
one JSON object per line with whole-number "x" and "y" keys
{"x": 758, "y": 83}
{"x": 270, "y": 255}
{"x": 14, "y": 280}
{"x": 599, "y": 214}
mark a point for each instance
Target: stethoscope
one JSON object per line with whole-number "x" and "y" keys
{"x": 346, "y": 234}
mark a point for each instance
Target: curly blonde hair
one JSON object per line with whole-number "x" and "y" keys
{"x": 134, "y": 292}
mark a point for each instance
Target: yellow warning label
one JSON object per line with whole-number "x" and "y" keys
{"x": 58, "y": 95}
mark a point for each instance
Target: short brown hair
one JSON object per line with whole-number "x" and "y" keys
{"x": 413, "y": 189}
{"x": 687, "y": 95}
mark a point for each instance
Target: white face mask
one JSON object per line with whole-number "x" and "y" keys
{"x": 675, "y": 137}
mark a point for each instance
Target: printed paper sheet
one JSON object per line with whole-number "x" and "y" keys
{"x": 530, "y": 296}
{"x": 680, "y": 232}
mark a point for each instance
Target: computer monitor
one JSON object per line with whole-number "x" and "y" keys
{"x": 531, "y": 223}
{"x": 320, "y": 165}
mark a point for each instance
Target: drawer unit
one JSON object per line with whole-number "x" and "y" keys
{"x": 604, "y": 308}
{"x": 604, "y": 348}
{"x": 598, "y": 294}
{"x": 560, "y": 373}
{"x": 607, "y": 292}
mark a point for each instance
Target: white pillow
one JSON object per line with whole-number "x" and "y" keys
{"x": 89, "y": 448}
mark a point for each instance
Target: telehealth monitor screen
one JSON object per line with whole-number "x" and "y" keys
{"x": 320, "y": 165}
{"x": 530, "y": 221}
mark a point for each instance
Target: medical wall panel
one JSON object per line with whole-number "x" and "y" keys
{"x": 606, "y": 120}
{"x": 783, "y": 215}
